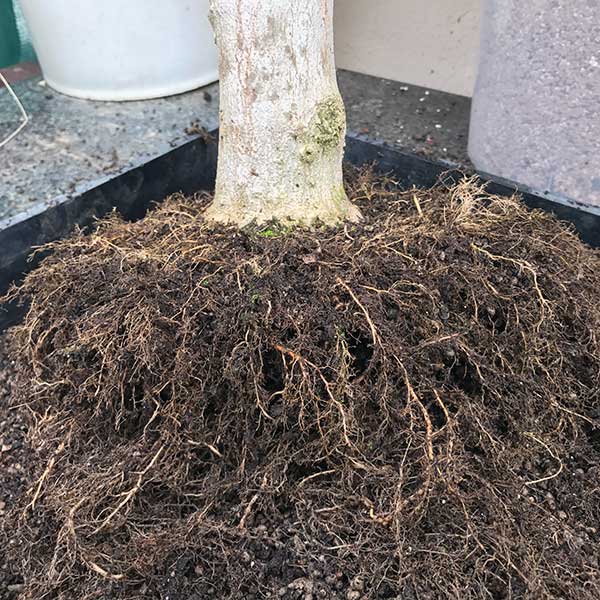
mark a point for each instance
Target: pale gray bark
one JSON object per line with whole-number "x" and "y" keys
{"x": 282, "y": 122}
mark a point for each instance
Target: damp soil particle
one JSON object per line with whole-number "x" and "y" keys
{"x": 15, "y": 463}
{"x": 403, "y": 408}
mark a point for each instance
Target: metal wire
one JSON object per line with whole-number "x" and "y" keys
{"x": 24, "y": 114}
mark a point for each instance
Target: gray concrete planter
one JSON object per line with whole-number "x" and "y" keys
{"x": 535, "y": 108}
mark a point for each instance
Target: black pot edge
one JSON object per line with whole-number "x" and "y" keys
{"x": 192, "y": 167}
{"x": 188, "y": 168}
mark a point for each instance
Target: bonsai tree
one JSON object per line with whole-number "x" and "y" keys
{"x": 208, "y": 411}
{"x": 282, "y": 122}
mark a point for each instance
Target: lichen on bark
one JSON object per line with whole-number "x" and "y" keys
{"x": 329, "y": 123}
{"x": 325, "y": 130}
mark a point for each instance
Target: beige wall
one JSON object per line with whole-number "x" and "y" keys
{"x": 432, "y": 43}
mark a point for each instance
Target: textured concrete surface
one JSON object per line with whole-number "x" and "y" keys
{"x": 73, "y": 145}
{"x": 535, "y": 110}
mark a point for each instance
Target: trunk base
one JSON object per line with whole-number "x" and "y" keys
{"x": 337, "y": 209}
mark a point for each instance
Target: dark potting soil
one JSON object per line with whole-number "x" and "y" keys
{"x": 15, "y": 473}
{"x": 402, "y": 408}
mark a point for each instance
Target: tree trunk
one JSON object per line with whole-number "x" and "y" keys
{"x": 282, "y": 121}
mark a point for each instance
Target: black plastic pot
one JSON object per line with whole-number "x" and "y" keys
{"x": 192, "y": 167}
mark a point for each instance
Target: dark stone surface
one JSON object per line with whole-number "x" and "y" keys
{"x": 427, "y": 122}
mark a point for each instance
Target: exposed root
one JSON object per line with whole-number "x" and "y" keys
{"x": 43, "y": 476}
{"x": 129, "y": 495}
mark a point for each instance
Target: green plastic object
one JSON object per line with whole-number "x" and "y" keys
{"x": 15, "y": 45}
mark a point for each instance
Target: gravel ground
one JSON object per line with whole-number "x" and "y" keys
{"x": 411, "y": 118}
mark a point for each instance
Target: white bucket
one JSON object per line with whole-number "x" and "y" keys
{"x": 123, "y": 49}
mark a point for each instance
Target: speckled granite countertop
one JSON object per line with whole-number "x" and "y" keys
{"x": 72, "y": 145}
